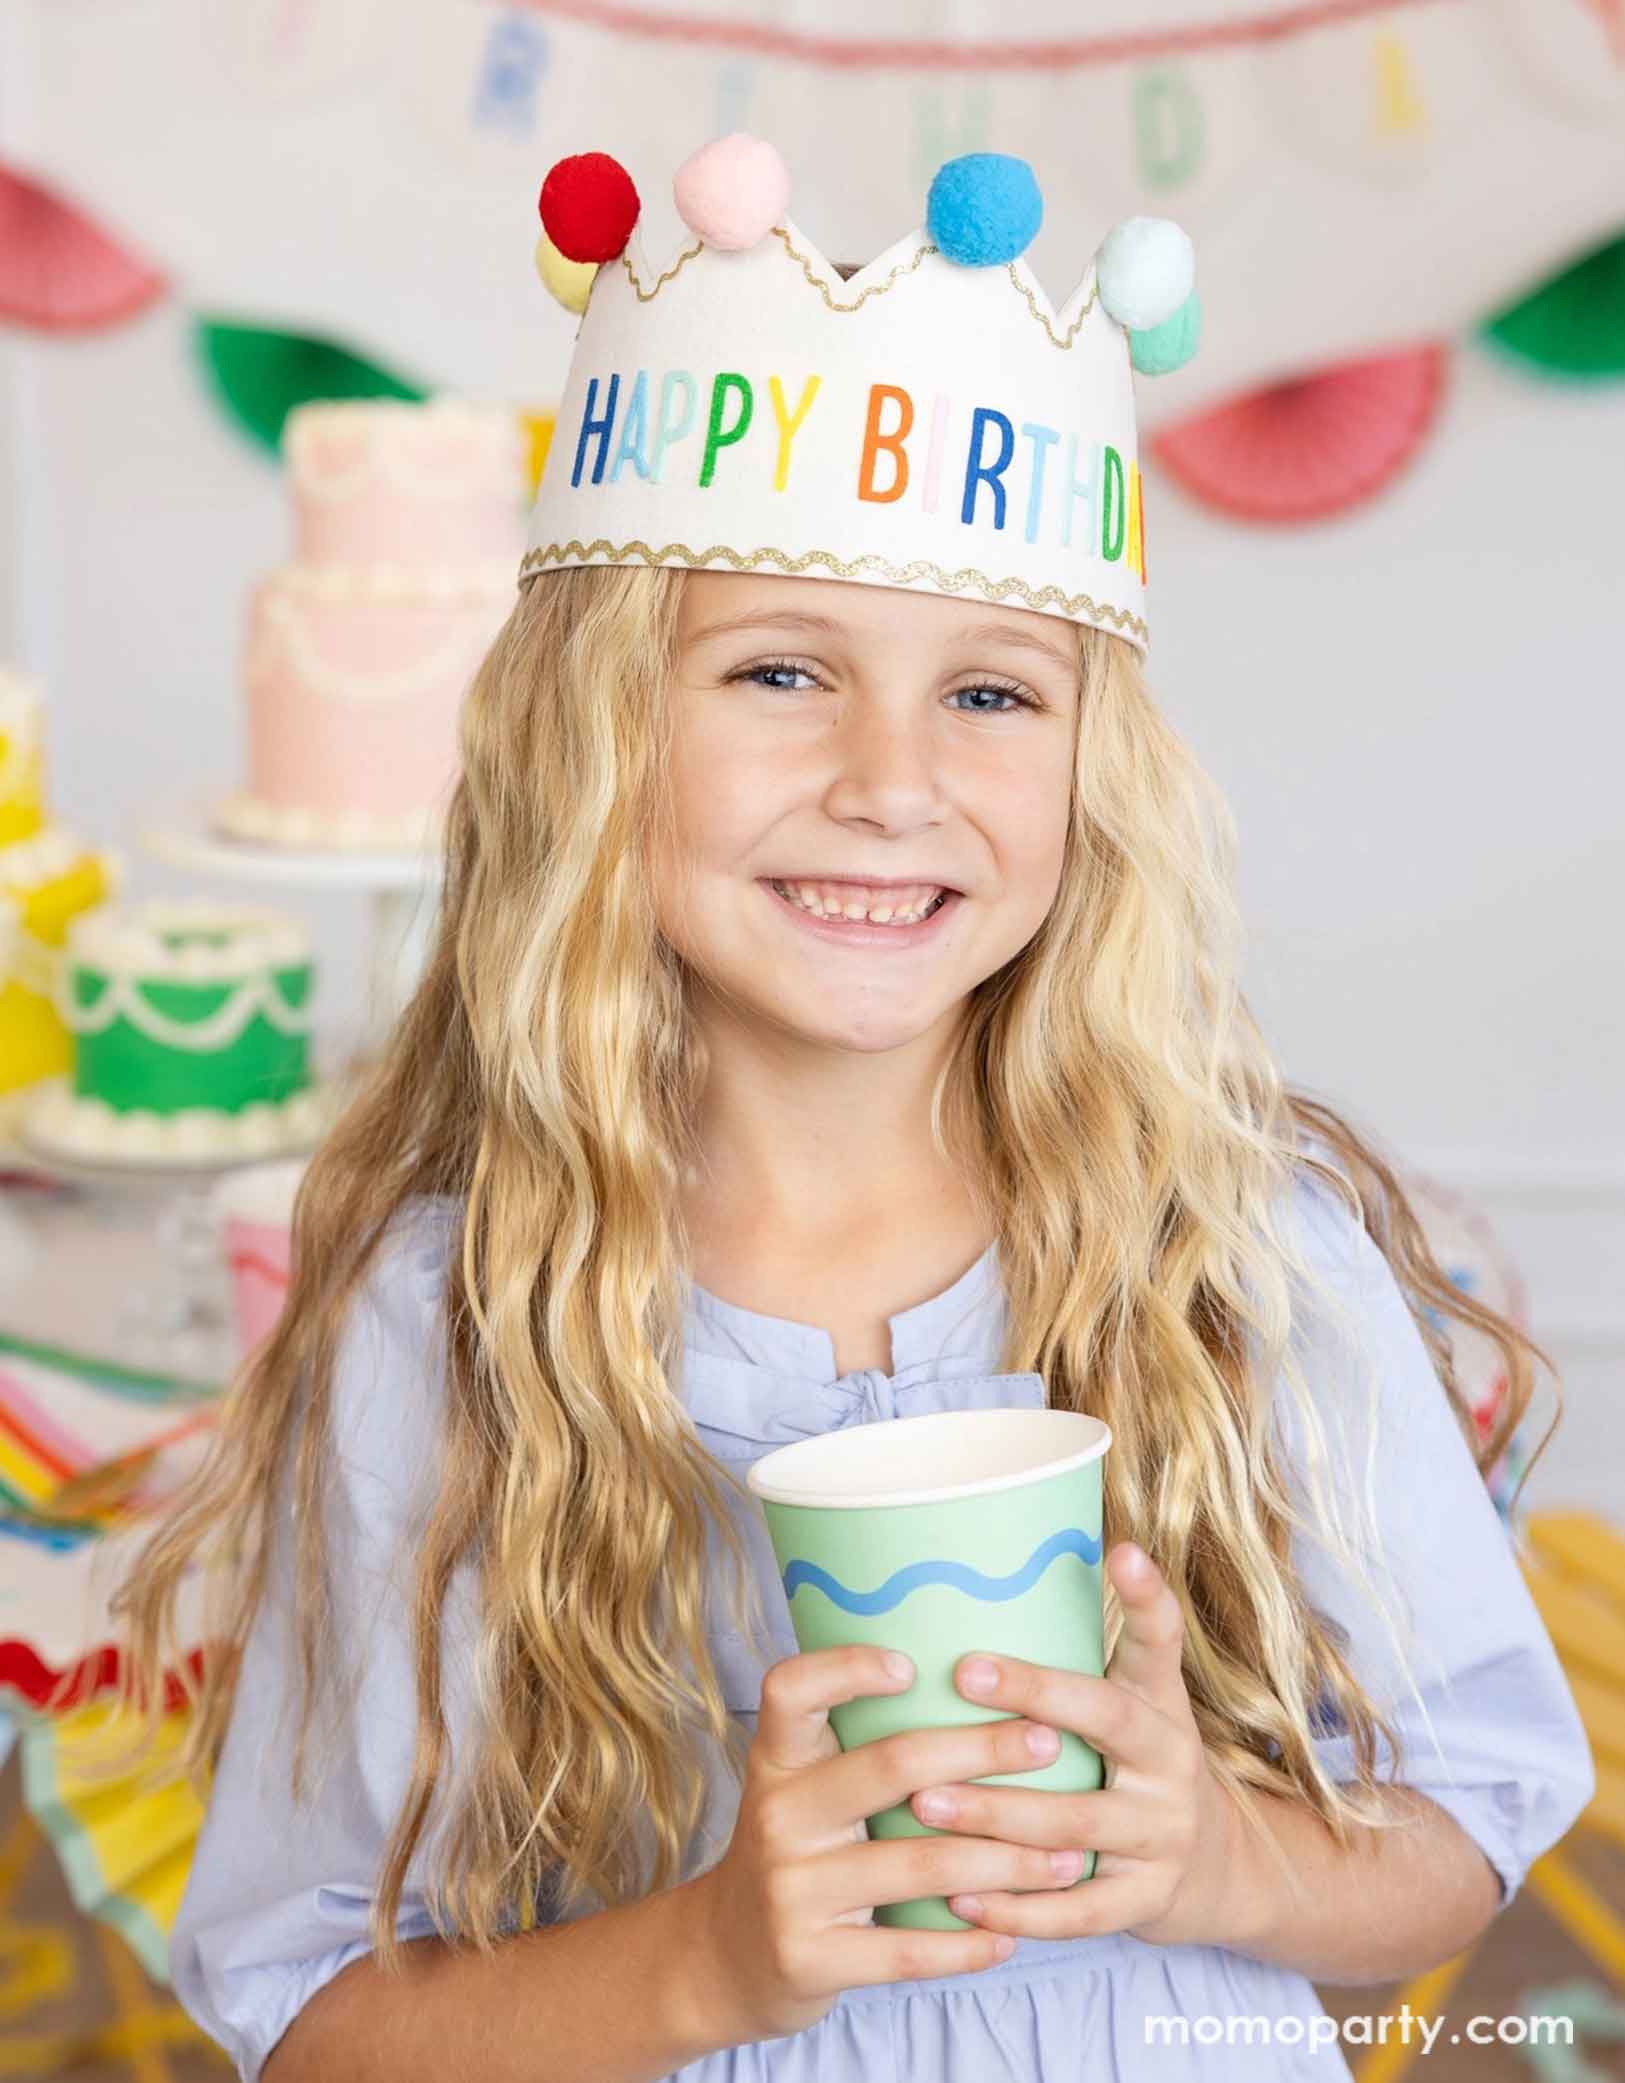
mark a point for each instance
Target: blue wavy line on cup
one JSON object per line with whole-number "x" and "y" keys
{"x": 1071, "y": 1540}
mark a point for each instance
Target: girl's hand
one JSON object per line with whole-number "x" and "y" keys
{"x": 1161, "y": 1826}
{"x": 775, "y": 1913}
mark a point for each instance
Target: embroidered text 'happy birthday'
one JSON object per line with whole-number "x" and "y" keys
{"x": 999, "y": 471}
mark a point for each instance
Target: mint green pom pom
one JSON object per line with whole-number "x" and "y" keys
{"x": 1161, "y": 349}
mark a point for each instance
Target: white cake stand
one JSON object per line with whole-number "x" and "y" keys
{"x": 402, "y": 921}
{"x": 178, "y": 1319}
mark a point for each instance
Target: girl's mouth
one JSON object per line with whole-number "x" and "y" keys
{"x": 863, "y": 932}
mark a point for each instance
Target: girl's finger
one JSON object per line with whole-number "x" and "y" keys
{"x": 1117, "y": 1722}
{"x": 1149, "y": 1655}
{"x": 1107, "y": 1822}
{"x": 1088, "y": 1909}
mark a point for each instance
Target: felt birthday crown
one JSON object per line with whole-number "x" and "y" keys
{"x": 927, "y": 420}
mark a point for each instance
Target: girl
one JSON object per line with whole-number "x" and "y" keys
{"x": 675, "y": 1156}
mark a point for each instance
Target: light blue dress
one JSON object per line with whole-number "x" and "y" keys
{"x": 276, "y": 1903}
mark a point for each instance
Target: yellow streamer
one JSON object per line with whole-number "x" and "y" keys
{"x": 135, "y": 2006}
{"x": 38, "y": 1963}
{"x": 57, "y": 2053}
{"x": 1427, "y": 1995}
{"x": 1581, "y": 1911}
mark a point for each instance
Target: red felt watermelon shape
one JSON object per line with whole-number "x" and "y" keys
{"x": 1311, "y": 446}
{"x": 58, "y": 271}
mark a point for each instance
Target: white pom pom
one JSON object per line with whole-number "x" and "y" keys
{"x": 1145, "y": 270}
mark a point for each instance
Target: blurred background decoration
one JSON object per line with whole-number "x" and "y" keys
{"x": 1370, "y": 186}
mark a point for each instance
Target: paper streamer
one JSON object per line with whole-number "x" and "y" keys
{"x": 60, "y": 1416}
{"x": 56, "y": 1425}
{"x": 125, "y": 1846}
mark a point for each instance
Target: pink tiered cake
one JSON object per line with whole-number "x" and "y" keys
{"x": 409, "y": 526}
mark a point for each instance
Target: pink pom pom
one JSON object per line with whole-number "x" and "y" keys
{"x": 732, "y": 191}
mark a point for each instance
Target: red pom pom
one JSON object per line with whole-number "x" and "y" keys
{"x": 588, "y": 206}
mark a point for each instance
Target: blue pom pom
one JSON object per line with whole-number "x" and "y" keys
{"x": 1161, "y": 349}
{"x": 984, "y": 209}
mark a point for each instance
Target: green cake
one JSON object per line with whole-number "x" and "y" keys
{"x": 191, "y": 1029}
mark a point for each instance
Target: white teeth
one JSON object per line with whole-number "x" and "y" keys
{"x": 904, "y": 908}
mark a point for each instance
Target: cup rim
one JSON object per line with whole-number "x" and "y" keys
{"x": 774, "y": 1490}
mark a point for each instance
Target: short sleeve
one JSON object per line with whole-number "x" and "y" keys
{"x": 1490, "y": 1731}
{"x": 277, "y": 1898}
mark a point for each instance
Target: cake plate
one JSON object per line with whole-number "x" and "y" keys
{"x": 398, "y": 882}
{"x": 179, "y": 1321}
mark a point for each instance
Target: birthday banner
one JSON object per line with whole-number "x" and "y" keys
{"x": 1359, "y": 179}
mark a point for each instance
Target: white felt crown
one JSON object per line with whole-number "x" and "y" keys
{"x": 931, "y": 422}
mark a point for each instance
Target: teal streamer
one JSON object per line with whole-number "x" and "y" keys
{"x": 1594, "y": 2014}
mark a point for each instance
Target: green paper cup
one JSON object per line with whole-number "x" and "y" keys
{"x": 940, "y": 1535}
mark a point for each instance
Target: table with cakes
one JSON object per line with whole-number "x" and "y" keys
{"x": 166, "y": 1073}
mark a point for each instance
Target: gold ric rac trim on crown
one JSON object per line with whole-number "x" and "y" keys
{"x": 874, "y": 289}
{"x": 576, "y": 551}
{"x": 1072, "y": 330}
{"x": 647, "y": 296}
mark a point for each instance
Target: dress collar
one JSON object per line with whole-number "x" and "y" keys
{"x": 955, "y": 1332}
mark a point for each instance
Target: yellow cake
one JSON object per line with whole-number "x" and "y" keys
{"x": 22, "y": 759}
{"x": 47, "y": 878}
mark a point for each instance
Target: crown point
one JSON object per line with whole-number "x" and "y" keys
{"x": 732, "y": 191}
{"x": 567, "y": 280}
{"x": 984, "y": 208}
{"x": 1146, "y": 269}
{"x": 588, "y": 206}
{"x": 1161, "y": 349}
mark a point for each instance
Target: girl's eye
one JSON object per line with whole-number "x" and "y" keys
{"x": 1011, "y": 693}
{"x": 788, "y": 665}
{"x": 778, "y": 665}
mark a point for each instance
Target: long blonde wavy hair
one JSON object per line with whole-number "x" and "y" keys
{"x": 1110, "y": 1100}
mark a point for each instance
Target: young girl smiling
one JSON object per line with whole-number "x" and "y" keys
{"x": 834, "y": 1016}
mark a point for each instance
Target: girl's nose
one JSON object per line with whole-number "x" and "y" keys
{"x": 888, "y": 756}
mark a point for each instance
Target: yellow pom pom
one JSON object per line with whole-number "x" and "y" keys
{"x": 568, "y": 280}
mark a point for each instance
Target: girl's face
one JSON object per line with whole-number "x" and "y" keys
{"x": 824, "y": 731}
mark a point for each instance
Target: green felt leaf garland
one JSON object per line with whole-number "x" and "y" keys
{"x": 1572, "y": 327}
{"x": 260, "y": 375}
